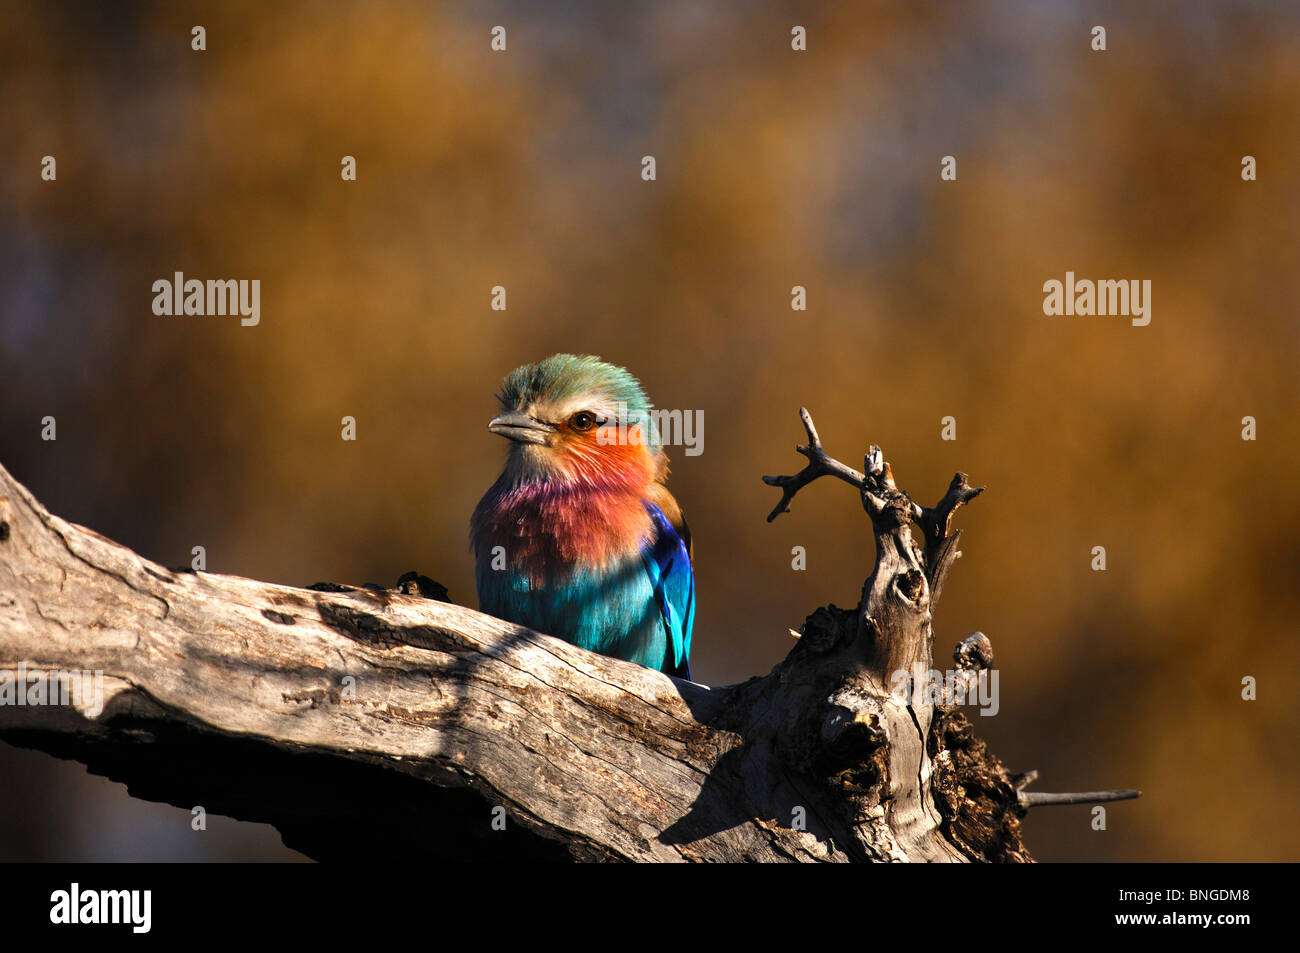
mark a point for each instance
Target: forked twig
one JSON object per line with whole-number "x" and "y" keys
{"x": 819, "y": 465}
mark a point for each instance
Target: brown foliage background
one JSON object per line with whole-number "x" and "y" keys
{"x": 775, "y": 168}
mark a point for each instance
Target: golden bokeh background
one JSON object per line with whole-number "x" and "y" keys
{"x": 774, "y": 169}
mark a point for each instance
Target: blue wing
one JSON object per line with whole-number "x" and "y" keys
{"x": 669, "y": 567}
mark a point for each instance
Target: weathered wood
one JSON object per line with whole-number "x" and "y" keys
{"x": 366, "y": 723}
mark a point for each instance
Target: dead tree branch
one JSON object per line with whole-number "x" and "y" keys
{"x": 818, "y": 465}
{"x": 367, "y": 723}
{"x": 895, "y": 616}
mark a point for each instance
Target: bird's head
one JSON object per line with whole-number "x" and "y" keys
{"x": 576, "y": 418}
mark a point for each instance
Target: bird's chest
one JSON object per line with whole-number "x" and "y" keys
{"x": 554, "y": 542}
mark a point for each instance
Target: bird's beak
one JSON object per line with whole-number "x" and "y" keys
{"x": 521, "y": 428}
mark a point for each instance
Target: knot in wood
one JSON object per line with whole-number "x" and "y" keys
{"x": 911, "y": 584}
{"x": 826, "y": 629}
{"x": 852, "y": 735}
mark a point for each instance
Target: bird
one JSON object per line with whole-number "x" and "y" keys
{"x": 579, "y": 538}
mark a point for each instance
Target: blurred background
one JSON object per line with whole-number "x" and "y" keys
{"x": 775, "y": 168}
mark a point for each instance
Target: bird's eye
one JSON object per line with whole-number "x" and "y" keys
{"x": 582, "y": 420}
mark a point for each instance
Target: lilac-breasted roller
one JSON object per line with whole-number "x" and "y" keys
{"x": 579, "y": 538}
